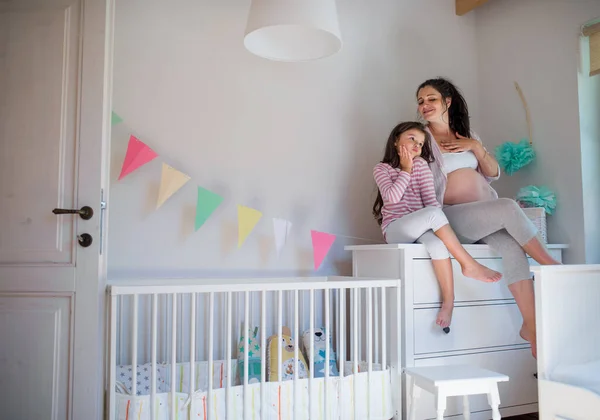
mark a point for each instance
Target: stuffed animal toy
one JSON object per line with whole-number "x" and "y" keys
{"x": 319, "y": 352}
{"x": 252, "y": 345}
{"x": 287, "y": 357}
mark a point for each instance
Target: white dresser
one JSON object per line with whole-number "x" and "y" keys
{"x": 484, "y": 331}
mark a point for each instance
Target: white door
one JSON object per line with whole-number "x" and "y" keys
{"x": 54, "y": 122}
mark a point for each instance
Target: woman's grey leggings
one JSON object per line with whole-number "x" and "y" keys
{"x": 419, "y": 226}
{"x": 502, "y": 225}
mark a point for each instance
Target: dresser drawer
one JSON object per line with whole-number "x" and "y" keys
{"x": 473, "y": 327}
{"x": 427, "y": 290}
{"x": 521, "y": 388}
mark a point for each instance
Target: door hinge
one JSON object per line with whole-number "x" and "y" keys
{"x": 102, "y": 218}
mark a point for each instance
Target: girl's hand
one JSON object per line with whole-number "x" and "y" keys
{"x": 406, "y": 160}
{"x": 461, "y": 144}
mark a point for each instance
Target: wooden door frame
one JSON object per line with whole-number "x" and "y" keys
{"x": 89, "y": 304}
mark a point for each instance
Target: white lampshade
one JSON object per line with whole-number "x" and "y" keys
{"x": 293, "y": 30}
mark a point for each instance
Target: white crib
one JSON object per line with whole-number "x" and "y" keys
{"x": 567, "y": 316}
{"x": 176, "y": 352}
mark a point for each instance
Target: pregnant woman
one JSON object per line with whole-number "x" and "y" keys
{"x": 462, "y": 171}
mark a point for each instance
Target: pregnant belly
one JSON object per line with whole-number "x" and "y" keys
{"x": 465, "y": 186}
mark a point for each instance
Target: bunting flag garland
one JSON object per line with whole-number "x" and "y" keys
{"x": 282, "y": 228}
{"x": 208, "y": 202}
{"x": 247, "y": 220}
{"x": 170, "y": 182}
{"x": 115, "y": 119}
{"x": 138, "y": 154}
{"x": 321, "y": 244}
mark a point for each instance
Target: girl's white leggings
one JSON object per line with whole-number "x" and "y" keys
{"x": 419, "y": 227}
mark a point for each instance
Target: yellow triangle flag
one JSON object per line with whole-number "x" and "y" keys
{"x": 247, "y": 220}
{"x": 171, "y": 181}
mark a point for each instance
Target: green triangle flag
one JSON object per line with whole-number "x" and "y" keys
{"x": 208, "y": 202}
{"x": 115, "y": 119}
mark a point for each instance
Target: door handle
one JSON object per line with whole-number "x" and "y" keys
{"x": 85, "y": 212}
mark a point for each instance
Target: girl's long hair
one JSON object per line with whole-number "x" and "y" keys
{"x": 458, "y": 112}
{"x": 391, "y": 157}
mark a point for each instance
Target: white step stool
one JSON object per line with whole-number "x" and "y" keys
{"x": 454, "y": 380}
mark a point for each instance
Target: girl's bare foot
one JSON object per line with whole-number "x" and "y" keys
{"x": 444, "y": 316}
{"x": 530, "y": 337}
{"x": 480, "y": 272}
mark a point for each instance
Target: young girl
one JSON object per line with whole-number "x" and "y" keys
{"x": 408, "y": 211}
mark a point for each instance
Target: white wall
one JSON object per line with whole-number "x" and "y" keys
{"x": 297, "y": 141}
{"x": 536, "y": 43}
{"x": 589, "y": 111}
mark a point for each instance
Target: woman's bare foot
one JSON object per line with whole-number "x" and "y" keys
{"x": 480, "y": 272}
{"x": 444, "y": 316}
{"x": 530, "y": 337}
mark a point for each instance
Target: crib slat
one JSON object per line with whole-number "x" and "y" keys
{"x": 113, "y": 359}
{"x": 134, "y": 334}
{"x": 173, "y": 354}
{"x": 154, "y": 341}
{"x": 311, "y": 364}
{"x": 369, "y": 346}
{"x": 263, "y": 353}
{"x": 359, "y": 324}
{"x": 246, "y": 329}
{"x": 353, "y": 331}
{"x": 280, "y": 333}
{"x": 355, "y": 349}
{"x": 211, "y": 341}
{"x": 180, "y": 325}
{"x": 228, "y": 356}
{"x": 122, "y": 331}
{"x": 327, "y": 335}
{"x": 342, "y": 342}
{"x": 164, "y": 327}
{"x": 356, "y": 328}
{"x": 296, "y": 371}
{"x": 336, "y": 314}
{"x": 383, "y": 329}
{"x": 376, "y": 327}
{"x": 192, "y": 351}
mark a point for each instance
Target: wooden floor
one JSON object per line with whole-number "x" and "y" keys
{"x": 523, "y": 417}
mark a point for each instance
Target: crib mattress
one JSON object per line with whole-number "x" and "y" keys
{"x": 584, "y": 375}
{"x": 349, "y": 397}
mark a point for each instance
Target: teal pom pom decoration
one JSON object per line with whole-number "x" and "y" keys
{"x": 514, "y": 156}
{"x": 532, "y": 196}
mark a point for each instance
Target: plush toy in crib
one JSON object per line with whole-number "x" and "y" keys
{"x": 287, "y": 357}
{"x": 251, "y": 344}
{"x": 320, "y": 345}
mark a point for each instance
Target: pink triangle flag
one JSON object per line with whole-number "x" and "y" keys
{"x": 321, "y": 244}
{"x": 138, "y": 154}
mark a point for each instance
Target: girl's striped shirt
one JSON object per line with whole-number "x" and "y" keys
{"x": 404, "y": 193}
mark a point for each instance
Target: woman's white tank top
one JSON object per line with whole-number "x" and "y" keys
{"x": 459, "y": 160}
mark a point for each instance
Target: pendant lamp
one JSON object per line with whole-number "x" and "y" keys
{"x": 293, "y": 30}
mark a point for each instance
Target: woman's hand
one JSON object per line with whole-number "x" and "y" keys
{"x": 487, "y": 164}
{"x": 462, "y": 144}
{"x": 406, "y": 160}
